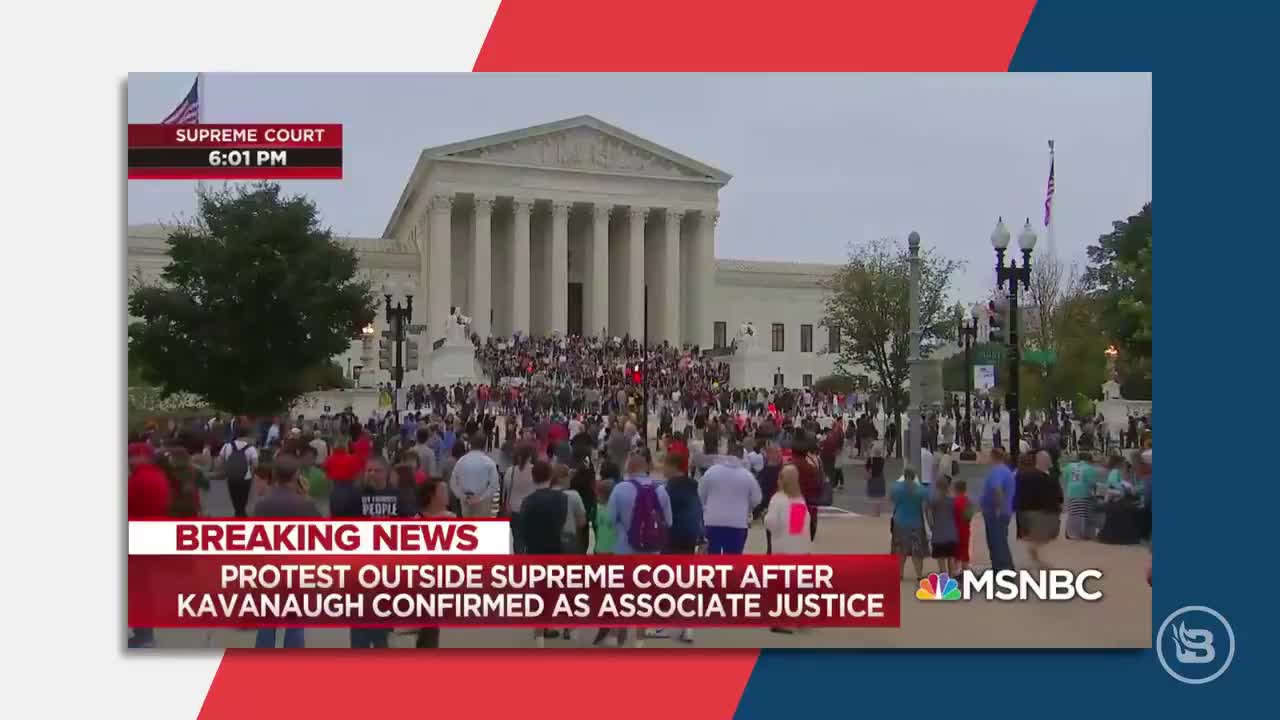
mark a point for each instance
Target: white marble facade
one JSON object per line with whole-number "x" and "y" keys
{"x": 560, "y": 228}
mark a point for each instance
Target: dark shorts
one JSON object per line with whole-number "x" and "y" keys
{"x": 944, "y": 550}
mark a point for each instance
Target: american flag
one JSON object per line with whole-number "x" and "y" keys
{"x": 1048, "y": 196}
{"x": 188, "y": 111}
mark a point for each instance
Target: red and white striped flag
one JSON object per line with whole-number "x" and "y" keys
{"x": 1048, "y": 193}
{"x": 188, "y": 111}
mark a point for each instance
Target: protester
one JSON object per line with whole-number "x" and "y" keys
{"x": 184, "y": 485}
{"x": 237, "y": 461}
{"x": 316, "y": 481}
{"x": 1080, "y": 478}
{"x": 787, "y": 518}
{"x": 940, "y": 514}
{"x": 1038, "y": 501}
{"x": 518, "y": 485}
{"x": 997, "y": 500}
{"x": 284, "y": 500}
{"x": 474, "y": 480}
{"x": 964, "y": 512}
{"x": 641, "y": 511}
{"x": 148, "y": 499}
{"x": 910, "y": 538}
{"x": 875, "y": 477}
{"x": 804, "y": 455}
{"x": 729, "y": 494}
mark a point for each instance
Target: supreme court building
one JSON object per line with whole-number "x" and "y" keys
{"x": 575, "y": 227}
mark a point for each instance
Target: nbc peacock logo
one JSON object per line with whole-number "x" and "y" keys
{"x": 938, "y": 586}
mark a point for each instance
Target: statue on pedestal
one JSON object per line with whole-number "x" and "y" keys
{"x": 746, "y": 339}
{"x": 457, "y": 329}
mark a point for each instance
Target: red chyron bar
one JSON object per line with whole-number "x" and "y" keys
{"x": 210, "y": 136}
{"x": 235, "y": 152}
{"x": 501, "y": 590}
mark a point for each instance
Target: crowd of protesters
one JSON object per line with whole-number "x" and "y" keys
{"x": 555, "y": 444}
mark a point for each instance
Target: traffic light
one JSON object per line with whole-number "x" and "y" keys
{"x": 996, "y": 328}
{"x": 410, "y": 355}
{"x": 384, "y": 354}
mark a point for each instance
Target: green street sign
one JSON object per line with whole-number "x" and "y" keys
{"x": 986, "y": 354}
{"x": 1040, "y": 357}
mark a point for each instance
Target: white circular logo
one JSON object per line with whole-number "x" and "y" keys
{"x": 1194, "y": 644}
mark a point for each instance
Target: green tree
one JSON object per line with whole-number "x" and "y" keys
{"x": 868, "y": 301}
{"x": 1119, "y": 279}
{"x": 256, "y": 295}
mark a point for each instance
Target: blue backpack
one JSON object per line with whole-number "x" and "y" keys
{"x": 647, "y": 532}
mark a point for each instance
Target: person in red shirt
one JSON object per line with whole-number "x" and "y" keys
{"x": 148, "y": 499}
{"x": 148, "y": 486}
{"x": 677, "y": 447}
{"x": 361, "y": 444}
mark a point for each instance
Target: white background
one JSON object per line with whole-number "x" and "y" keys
{"x": 63, "y": 181}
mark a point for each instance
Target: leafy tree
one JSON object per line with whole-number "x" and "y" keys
{"x": 1119, "y": 278}
{"x": 868, "y": 301}
{"x": 256, "y": 295}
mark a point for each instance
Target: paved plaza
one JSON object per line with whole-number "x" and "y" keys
{"x": 1122, "y": 619}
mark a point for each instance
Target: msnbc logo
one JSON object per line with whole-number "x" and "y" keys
{"x": 938, "y": 586}
{"x": 1013, "y": 585}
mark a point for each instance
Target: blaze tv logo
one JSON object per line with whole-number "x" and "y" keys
{"x": 1195, "y": 645}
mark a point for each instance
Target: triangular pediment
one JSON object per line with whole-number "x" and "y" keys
{"x": 582, "y": 143}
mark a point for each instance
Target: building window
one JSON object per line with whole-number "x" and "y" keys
{"x": 778, "y": 381}
{"x": 806, "y": 338}
{"x": 779, "y": 338}
{"x": 833, "y": 339}
{"x": 719, "y": 334}
{"x": 806, "y": 380}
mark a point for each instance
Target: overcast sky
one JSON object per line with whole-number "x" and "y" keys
{"x": 818, "y": 161}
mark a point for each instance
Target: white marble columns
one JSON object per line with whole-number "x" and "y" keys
{"x": 701, "y": 275}
{"x": 682, "y": 254}
{"x": 481, "y": 296}
{"x": 635, "y": 271}
{"x": 596, "y": 315}
{"x": 520, "y": 266}
{"x": 559, "y": 275}
{"x": 439, "y": 284}
{"x": 669, "y": 283}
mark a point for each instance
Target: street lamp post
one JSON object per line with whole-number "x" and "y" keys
{"x": 1012, "y": 276}
{"x": 968, "y": 333}
{"x": 916, "y": 401}
{"x": 398, "y": 319}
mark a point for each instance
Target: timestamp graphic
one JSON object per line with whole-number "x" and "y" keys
{"x": 234, "y": 152}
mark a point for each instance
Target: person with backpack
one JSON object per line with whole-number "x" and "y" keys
{"x": 640, "y": 509}
{"x": 238, "y": 460}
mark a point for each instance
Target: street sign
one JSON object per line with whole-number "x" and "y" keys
{"x": 988, "y": 354}
{"x": 1040, "y": 357}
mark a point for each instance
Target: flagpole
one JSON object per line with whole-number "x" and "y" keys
{"x": 201, "y": 99}
{"x": 1053, "y": 219}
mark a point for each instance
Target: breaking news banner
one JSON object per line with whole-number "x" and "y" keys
{"x": 235, "y": 152}
{"x": 422, "y": 573}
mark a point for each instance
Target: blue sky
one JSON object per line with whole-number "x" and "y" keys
{"x": 819, "y": 160}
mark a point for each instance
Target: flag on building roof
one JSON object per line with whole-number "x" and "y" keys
{"x": 188, "y": 111}
{"x": 1048, "y": 193}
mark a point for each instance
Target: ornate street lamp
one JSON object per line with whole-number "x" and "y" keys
{"x": 968, "y": 334}
{"x": 398, "y": 319}
{"x": 1011, "y": 276}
